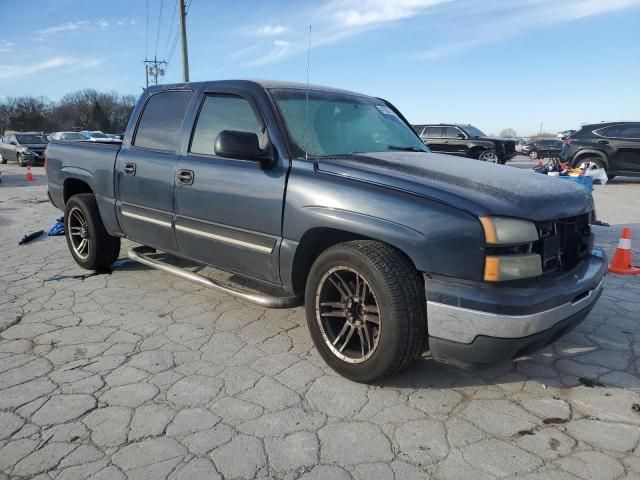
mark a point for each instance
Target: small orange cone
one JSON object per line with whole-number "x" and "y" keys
{"x": 622, "y": 263}
{"x": 29, "y": 177}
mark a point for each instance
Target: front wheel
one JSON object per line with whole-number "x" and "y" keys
{"x": 88, "y": 241}
{"x": 489, "y": 156}
{"x": 366, "y": 310}
{"x": 20, "y": 159}
{"x": 3, "y": 160}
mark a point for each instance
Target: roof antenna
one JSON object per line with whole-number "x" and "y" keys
{"x": 306, "y": 154}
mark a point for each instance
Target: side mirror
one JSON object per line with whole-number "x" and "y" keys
{"x": 13, "y": 142}
{"x": 461, "y": 135}
{"x": 241, "y": 146}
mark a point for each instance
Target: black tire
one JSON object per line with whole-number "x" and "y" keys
{"x": 3, "y": 160}
{"x": 102, "y": 249}
{"x": 20, "y": 159}
{"x": 398, "y": 291}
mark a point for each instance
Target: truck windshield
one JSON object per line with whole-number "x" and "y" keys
{"x": 31, "y": 139}
{"x": 337, "y": 124}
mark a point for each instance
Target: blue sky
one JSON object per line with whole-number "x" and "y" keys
{"x": 493, "y": 63}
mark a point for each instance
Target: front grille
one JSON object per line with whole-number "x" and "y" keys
{"x": 563, "y": 243}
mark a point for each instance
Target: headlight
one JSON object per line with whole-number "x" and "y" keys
{"x": 500, "y": 268}
{"x": 508, "y": 231}
{"x": 501, "y": 262}
{"x": 25, "y": 150}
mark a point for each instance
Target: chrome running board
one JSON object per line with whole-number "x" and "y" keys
{"x": 141, "y": 254}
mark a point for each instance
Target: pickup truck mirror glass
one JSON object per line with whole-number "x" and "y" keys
{"x": 240, "y": 145}
{"x": 461, "y": 135}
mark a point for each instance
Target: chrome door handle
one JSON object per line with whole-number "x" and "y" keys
{"x": 603, "y": 142}
{"x": 185, "y": 177}
{"x": 129, "y": 169}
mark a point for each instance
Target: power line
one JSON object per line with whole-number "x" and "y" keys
{"x": 146, "y": 37}
{"x": 173, "y": 18}
{"x": 159, "y": 25}
{"x": 177, "y": 36}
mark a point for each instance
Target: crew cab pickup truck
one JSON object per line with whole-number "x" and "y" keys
{"x": 329, "y": 199}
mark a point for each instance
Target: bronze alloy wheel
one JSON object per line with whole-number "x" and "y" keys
{"x": 348, "y": 315}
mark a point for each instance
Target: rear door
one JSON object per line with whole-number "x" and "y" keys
{"x": 229, "y": 211}
{"x": 432, "y": 137}
{"x": 146, "y": 169}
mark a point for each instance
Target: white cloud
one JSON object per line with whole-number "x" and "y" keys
{"x": 6, "y": 46}
{"x": 362, "y": 13}
{"x": 71, "y": 63}
{"x": 84, "y": 25}
{"x": 281, "y": 43}
{"x": 454, "y": 26}
{"x": 66, "y": 27}
{"x": 270, "y": 30}
{"x": 502, "y": 19}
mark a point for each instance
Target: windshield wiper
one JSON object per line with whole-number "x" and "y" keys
{"x": 405, "y": 149}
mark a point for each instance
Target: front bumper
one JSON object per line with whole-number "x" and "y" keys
{"x": 479, "y": 324}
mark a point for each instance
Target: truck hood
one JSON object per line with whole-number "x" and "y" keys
{"x": 477, "y": 187}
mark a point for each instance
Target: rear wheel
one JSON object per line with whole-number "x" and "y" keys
{"x": 366, "y": 310}
{"x": 593, "y": 163}
{"x": 88, "y": 241}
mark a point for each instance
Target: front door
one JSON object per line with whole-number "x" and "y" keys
{"x": 145, "y": 171}
{"x": 452, "y": 143}
{"x": 10, "y": 148}
{"x": 627, "y": 143}
{"x": 229, "y": 211}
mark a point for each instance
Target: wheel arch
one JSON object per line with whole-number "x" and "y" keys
{"x": 582, "y": 154}
{"x": 74, "y": 186}
{"x": 317, "y": 240}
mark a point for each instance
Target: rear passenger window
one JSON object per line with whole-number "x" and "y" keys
{"x": 224, "y": 112}
{"x": 434, "y": 132}
{"x": 161, "y": 121}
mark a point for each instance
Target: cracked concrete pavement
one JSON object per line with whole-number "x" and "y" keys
{"x": 138, "y": 374}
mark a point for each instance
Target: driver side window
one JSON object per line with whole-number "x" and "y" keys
{"x": 224, "y": 112}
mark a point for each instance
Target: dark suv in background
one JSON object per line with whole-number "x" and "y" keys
{"x": 544, "y": 148}
{"x": 466, "y": 141}
{"x": 614, "y": 146}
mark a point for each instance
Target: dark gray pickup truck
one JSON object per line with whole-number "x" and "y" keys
{"x": 329, "y": 198}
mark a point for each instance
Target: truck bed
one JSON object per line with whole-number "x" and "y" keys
{"x": 91, "y": 162}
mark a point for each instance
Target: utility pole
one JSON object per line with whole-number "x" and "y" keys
{"x": 183, "y": 41}
{"x": 154, "y": 68}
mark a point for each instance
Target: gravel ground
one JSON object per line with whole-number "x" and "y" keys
{"x": 137, "y": 374}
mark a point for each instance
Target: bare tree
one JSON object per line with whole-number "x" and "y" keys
{"x": 83, "y": 110}
{"x": 508, "y": 133}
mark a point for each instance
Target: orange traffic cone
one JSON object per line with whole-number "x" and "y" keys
{"x": 622, "y": 262}
{"x": 29, "y": 177}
